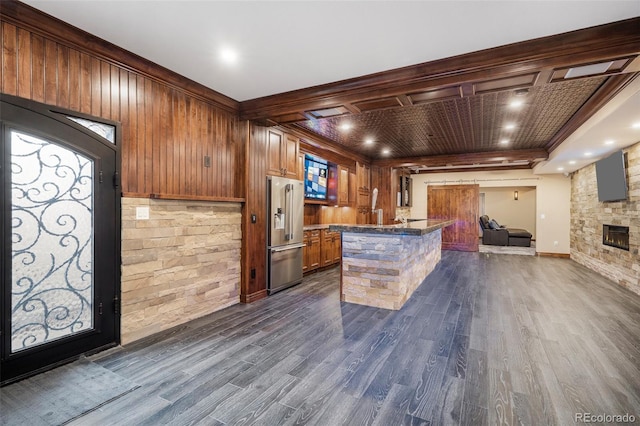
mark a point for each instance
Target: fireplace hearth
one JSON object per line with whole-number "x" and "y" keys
{"x": 616, "y": 236}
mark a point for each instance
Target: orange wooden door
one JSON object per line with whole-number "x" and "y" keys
{"x": 459, "y": 203}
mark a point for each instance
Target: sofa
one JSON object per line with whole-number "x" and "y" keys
{"x": 494, "y": 234}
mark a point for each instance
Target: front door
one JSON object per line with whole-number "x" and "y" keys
{"x": 59, "y": 239}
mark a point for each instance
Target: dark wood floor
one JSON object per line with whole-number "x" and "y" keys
{"x": 486, "y": 339}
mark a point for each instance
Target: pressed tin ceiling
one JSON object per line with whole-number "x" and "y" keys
{"x": 461, "y": 125}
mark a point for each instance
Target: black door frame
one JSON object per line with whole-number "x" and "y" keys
{"x": 107, "y": 327}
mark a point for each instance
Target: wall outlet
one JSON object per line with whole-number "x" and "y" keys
{"x": 142, "y": 213}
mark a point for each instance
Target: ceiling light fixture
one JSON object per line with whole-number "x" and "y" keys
{"x": 588, "y": 154}
{"x": 345, "y": 126}
{"x": 609, "y": 142}
{"x": 368, "y": 141}
{"x": 636, "y": 125}
{"x": 510, "y": 126}
{"x": 560, "y": 169}
{"x": 504, "y": 141}
{"x": 585, "y": 70}
{"x": 229, "y": 56}
{"x": 516, "y": 103}
{"x": 572, "y": 162}
{"x": 386, "y": 151}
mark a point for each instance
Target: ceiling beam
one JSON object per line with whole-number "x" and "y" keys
{"x": 588, "y": 45}
{"x": 493, "y": 157}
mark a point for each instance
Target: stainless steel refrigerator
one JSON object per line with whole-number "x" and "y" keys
{"x": 285, "y": 213}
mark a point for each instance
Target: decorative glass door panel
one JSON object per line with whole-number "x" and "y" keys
{"x": 52, "y": 239}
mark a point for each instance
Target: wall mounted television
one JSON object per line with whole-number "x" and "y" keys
{"x": 316, "y": 171}
{"x": 611, "y": 178}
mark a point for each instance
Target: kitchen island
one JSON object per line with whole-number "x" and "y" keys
{"x": 382, "y": 265}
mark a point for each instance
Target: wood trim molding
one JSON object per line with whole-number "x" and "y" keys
{"x": 532, "y": 155}
{"x": 593, "y": 44}
{"x": 249, "y": 298}
{"x": 182, "y": 197}
{"x": 559, "y": 255}
{"x": 27, "y": 17}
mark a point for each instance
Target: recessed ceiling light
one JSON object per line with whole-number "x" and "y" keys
{"x": 229, "y": 56}
{"x": 560, "y": 169}
{"x": 510, "y": 126}
{"x": 609, "y": 142}
{"x": 516, "y": 103}
{"x": 572, "y": 162}
{"x": 386, "y": 151}
{"x": 368, "y": 141}
{"x": 504, "y": 141}
{"x": 345, "y": 126}
{"x": 636, "y": 125}
{"x": 588, "y": 154}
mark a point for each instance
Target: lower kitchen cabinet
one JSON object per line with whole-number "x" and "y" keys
{"x": 311, "y": 251}
{"x": 322, "y": 248}
{"x": 331, "y": 248}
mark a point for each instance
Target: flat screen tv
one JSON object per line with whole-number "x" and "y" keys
{"x": 315, "y": 177}
{"x": 611, "y": 178}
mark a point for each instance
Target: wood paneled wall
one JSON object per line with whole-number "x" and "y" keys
{"x": 254, "y": 241}
{"x": 166, "y": 131}
{"x": 383, "y": 178}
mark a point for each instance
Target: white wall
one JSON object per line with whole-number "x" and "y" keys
{"x": 553, "y": 200}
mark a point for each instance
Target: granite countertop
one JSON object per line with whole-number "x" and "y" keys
{"x": 413, "y": 227}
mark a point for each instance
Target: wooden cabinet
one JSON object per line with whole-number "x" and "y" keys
{"x": 322, "y": 248}
{"x": 363, "y": 172}
{"x": 331, "y": 248}
{"x": 282, "y": 154}
{"x": 311, "y": 253}
{"x": 300, "y": 166}
{"x": 363, "y": 215}
{"x": 363, "y": 195}
{"x": 343, "y": 186}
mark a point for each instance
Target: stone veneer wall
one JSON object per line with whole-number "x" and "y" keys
{"x": 384, "y": 270}
{"x": 588, "y": 215}
{"x": 181, "y": 264}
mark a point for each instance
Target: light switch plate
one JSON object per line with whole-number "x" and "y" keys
{"x": 142, "y": 213}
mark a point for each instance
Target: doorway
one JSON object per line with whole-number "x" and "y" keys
{"x": 60, "y": 237}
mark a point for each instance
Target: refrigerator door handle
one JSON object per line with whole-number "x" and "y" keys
{"x": 288, "y": 203}
{"x": 291, "y": 187}
{"x": 289, "y": 247}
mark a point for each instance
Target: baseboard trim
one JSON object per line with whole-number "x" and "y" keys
{"x": 248, "y": 298}
{"x": 560, "y": 255}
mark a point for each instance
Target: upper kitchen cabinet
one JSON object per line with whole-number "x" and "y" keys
{"x": 282, "y": 154}
{"x": 363, "y": 172}
{"x": 343, "y": 186}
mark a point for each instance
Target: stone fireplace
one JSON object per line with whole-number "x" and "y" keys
{"x": 588, "y": 215}
{"x": 616, "y": 236}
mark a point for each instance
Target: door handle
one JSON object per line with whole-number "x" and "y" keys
{"x": 290, "y": 247}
